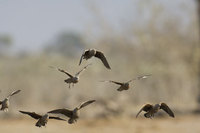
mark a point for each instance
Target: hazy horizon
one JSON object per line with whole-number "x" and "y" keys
{"x": 34, "y": 23}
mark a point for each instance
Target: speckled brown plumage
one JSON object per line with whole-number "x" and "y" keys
{"x": 72, "y": 79}
{"x": 151, "y": 109}
{"x": 6, "y": 102}
{"x": 89, "y": 53}
{"x": 72, "y": 114}
{"x": 42, "y": 119}
{"x": 125, "y": 85}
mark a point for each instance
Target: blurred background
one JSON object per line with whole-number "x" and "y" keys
{"x": 158, "y": 37}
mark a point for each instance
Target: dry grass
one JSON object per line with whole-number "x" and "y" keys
{"x": 187, "y": 124}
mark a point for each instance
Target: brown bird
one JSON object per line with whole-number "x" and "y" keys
{"x": 72, "y": 79}
{"x": 42, "y": 119}
{"x": 5, "y": 103}
{"x": 151, "y": 109}
{"x": 89, "y": 53}
{"x": 125, "y": 85}
{"x": 72, "y": 114}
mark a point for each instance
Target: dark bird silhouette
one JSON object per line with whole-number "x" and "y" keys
{"x": 6, "y": 102}
{"x": 72, "y": 114}
{"x": 72, "y": 79}
{"x": 89, "y": 53}
{"x": 151, "y": 109}
{"x": 125, "y": 85}
{"x": 42, "y": 119}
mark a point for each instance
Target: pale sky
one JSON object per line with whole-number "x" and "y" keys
{"x": 33, "y": 23}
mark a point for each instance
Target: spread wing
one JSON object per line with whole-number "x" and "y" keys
{"x": 65, "y": 112}
{"x": 145, "y": 108}
{"x": 116, "y": 82}
{"x": 143, "y": 77}
{"x": 32, "y": 114}
{"x": 167, "y": 109}
{"x": 56, "y": 118}
{"x": 85, "y": 104}
{"x": 81, "y": 59}
{"x": 78, "y": 73}
{"x": 140, "y": 77}
{"x": 13, "y": 93}
{"x": 101, "y": 56}
{"x": 63, "y": 71}
{"x": 84, "y": 53}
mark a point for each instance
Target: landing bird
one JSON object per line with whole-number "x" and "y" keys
{"x": 125, "y": 85}
{"x": 5, "y": 103}
{"x": 72, "y": 79}
{"x": 42, "y": 119}
{"x": 89, "y": 53}
{"x": 72, "y": 114}
{"x": 151, "y": 109}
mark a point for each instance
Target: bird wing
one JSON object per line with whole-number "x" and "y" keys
{"x": 116, "y": 82}
{"x": 145, "y": 108}
{"x": 13, "y": 93}
{"x": 56, "y": 118}
{"x": 81, "y": 58}
{"x": 85, "y": 104}
{"x": 32, "y": 114}
{"x": 143, "y": 76}
{"x": 101, "y": 56}
{"x": 78, "y": 73}
{"x": 0, "y": 102}
{"x": 61, "y": 70}
{"x": 167, "y": 109}
{"x": 138, "y": 78}
{"x": 64, "y": 111}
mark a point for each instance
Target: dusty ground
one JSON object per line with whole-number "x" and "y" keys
{"x": 187, "y": 124}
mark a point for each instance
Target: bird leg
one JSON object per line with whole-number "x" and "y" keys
{"x": 151, "y": 116}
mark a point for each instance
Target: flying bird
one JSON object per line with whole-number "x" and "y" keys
{"x": 72, "y": 114}
{"x": 151, "y": 109}
{"x": 89, "y": 53}
{"x": 72, "y": 79}
{"x": 5, "y": 103}
{"x": 42, "y": 119}
{"x": 125, "y": 85}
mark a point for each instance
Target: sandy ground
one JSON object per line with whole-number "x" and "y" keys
{"x": 186, "y": 124}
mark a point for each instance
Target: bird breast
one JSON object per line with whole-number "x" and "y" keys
{"x": 76, "y": 113}
{"x": 5, "y": 103}
{"x": 44, "y": 119}
{"x": 126, "y": 85}
{"x": 75, "y": 79}
{"x": 156, "y": 108}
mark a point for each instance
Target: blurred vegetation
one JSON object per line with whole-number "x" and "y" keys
{"x": 5, "y": 43}
{"x": 161, "y": 48}
{"x": 67, "y": 43}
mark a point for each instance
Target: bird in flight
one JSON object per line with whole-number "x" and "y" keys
{"x": 125, "y": 85}
{"x": 42, "y": 119}
{"x": 72, "y": 114}
{"x": 151, "y": 109}
{"x": 6, "y": 102}
{"x": 89, "y": 53}
{"x": 72, "y": 79}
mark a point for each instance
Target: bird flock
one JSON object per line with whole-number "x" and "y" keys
{"x": 73, "y": 114}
